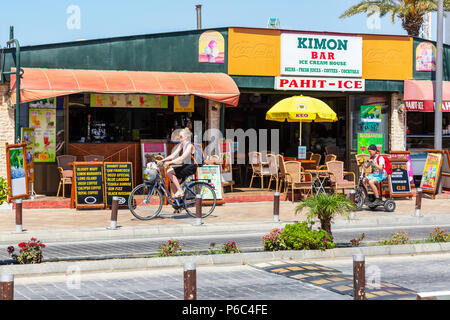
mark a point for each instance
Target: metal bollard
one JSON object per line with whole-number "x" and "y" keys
{"x": 114, "y": 209}
{"x": 198, "y": 210}
{"x": 359, "y": 277}
{"x": 19, "y": 215}
{"x": 190, "y": 281}
{"x": 6, "y": 287}
{"x": 352, "y": 196}
{"x": 418, "y": 203}
{"x": 276, "y": 207}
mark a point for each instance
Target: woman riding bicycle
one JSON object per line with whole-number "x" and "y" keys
{"x": 188, "y": 167}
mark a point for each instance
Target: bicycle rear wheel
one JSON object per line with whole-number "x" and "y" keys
{"x": 145, "y": 201}
{"x": 208, "y": 196}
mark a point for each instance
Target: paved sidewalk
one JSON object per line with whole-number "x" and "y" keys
{"x": 58, "y": 224}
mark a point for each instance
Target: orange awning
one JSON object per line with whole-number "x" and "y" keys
{"x": 38, "y": 84}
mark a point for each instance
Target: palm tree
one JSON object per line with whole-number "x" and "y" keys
{"x": 325, "y": 207}
{"x": 410, "y": 12}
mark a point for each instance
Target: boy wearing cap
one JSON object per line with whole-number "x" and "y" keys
{"x": 379, "y": 173}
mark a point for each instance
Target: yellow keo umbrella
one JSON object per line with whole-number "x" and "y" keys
{"x": 301, "y": 109}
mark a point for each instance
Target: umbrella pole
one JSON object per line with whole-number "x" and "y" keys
{"x": 300, "y": 135}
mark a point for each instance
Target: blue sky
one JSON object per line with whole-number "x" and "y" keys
{"x": 45, "y": 21}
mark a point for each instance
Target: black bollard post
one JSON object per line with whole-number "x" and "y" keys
{"x": 359, "y": 277}
{"x": 19, "y": 215}
{"x": 114, "y": 209}
{"x": 417, "y": 212}
{"x": 6, "y": 287}
{"x": 276, "y": 207}
{"x": 190, "y": 281}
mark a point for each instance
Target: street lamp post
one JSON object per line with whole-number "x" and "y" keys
{"x": 439, "y": 67}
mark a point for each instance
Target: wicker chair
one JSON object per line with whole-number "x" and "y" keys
{"x": 258, "y": 169}
{"x": 308, "y": 155}
{"x": 281, "y": 173}
{"x": 295, "y": 178}
{"x": 273, "y": 170}
{"x": 94, "y": 157}
{"x": 316, "y": 157}
{"x": 328, "y": 158}
{"x": 337, "y": 174}
{"x": 65, "y": 171}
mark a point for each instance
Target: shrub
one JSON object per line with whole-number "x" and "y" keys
{"x": 171, "y": 248}
{"x": 298, "y": 236}
{"x": 3, "y": 190}
{"x": 439, "y": 235}
{"x": 272, "y": 240}
{"x": 397, "y": 238}
{"x": 357, "y": 241}
{"x": 228, "y": 247}
{"x": 30, "y": 252}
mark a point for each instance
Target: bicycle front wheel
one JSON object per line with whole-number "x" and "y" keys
{"x": 208, "y": 196}
{"x": 145, "y": 201}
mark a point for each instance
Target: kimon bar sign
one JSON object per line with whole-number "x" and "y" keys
{"x": 321, "y": 55}
{"x": 319, "y": 84}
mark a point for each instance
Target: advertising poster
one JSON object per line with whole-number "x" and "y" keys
{"x": 431, "y": 172}
{"x": 225, "y": 154}
{"x": 129, "y": 100}
{"x": 211, "y": 47}
{"x": 16, "y": 171}
{"x": 211, "y": 173}
{"x": 366, "y": 139}
{"x": 426, "y": 57}
{"x": 43, "y": 121}
{"x": 301, "y": 152}
{"x": 27, "y": 136}
{"x": 183, "y": 104}
{"x": 371, "y": 114}
{"x": 150, "y": 149}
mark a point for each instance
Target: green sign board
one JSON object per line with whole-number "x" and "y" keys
{"x": 366, "y": 139}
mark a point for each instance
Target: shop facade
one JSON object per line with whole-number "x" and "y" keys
{"x": 355, "y": 74}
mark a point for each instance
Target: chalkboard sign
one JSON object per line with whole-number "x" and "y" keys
{"x": 89, "y": 191}
{"x": 118, "y": 181}
{"x": 399, "y": 184}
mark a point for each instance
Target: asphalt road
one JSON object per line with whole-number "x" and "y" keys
{"x": 245, "y": 241}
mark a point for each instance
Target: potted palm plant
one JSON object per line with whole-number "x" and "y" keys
{"x": 325, "y": 207}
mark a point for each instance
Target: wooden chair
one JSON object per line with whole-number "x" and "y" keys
{"x": 332, "y": 150}
{"x": 316, "y": 157}
{"x": 295, "y": 178}
{"x": 258, "y": 169}
{"x": 94, "y": 157}
{"x": 65, "y": 171}
{"x": 337, "y": 174}
{"x": 273, "y": 170}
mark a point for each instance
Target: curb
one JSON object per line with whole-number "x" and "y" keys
{"x": 139, "y": 232}
{"x": 114, "y": 265}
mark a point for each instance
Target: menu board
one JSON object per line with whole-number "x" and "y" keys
{"x": 212, "y": 173}
{"x": 118, "y": 181}
{"x": 27, "y": 136}
{"x": 406, "y": 155}
{"x": 150, "y": 149}
{"x": 16, "y": 168}
{"x": 89, "y": 190}
{"x": 399, "y": 184}
{"x": 225, "y": 153}
{"x": 431, "y": 173}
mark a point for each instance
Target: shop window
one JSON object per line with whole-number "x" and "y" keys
{"x": 420, "y": 130}
{"x": 369, "y": 122}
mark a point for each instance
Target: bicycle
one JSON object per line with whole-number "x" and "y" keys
{"x": 146, "y": 200}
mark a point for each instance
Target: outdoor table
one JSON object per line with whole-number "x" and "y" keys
{"x": 319, "y": 177}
